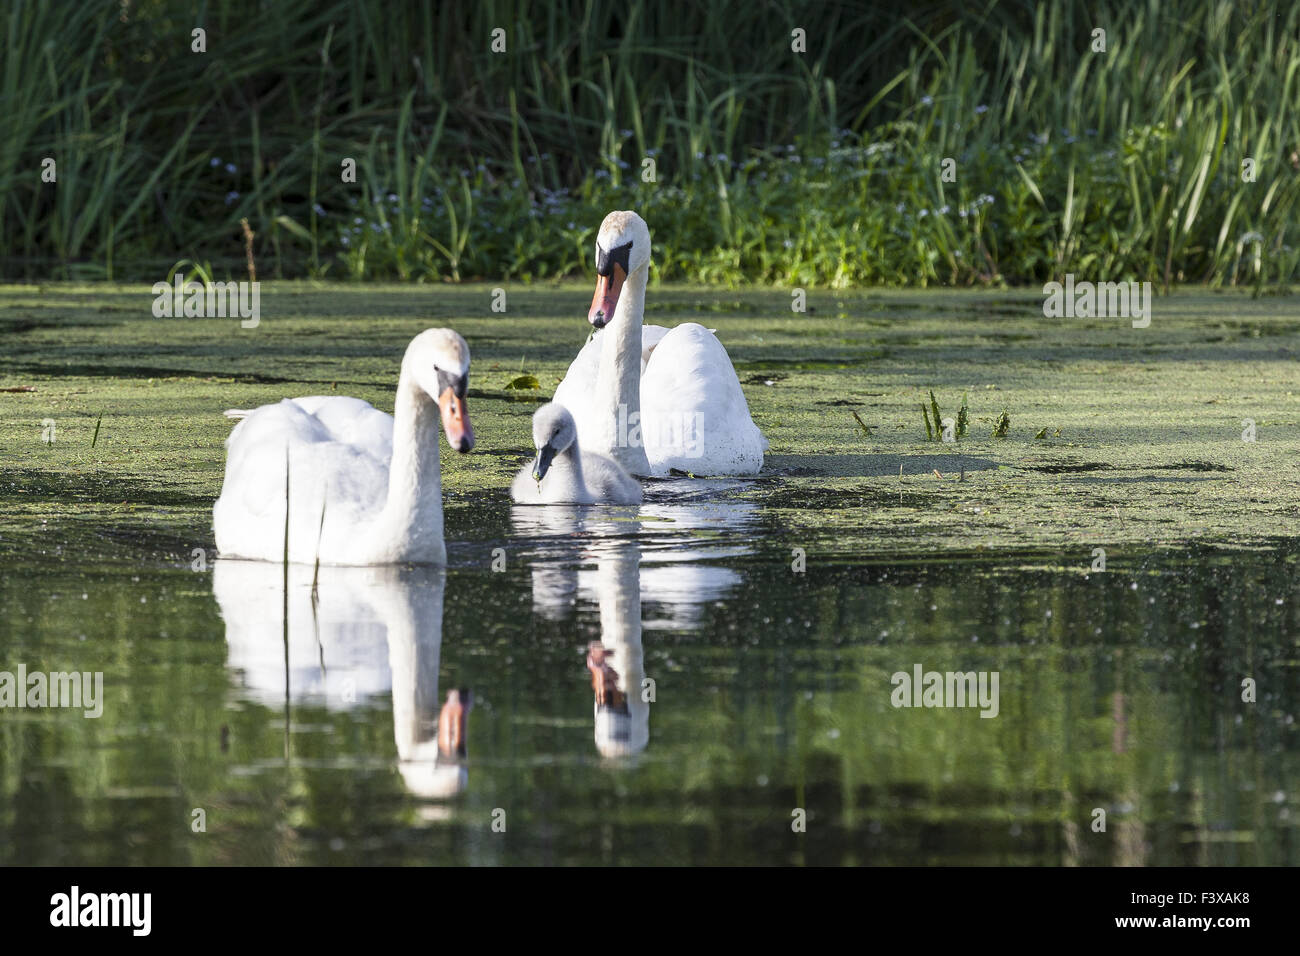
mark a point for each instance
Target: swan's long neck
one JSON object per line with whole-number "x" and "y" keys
{"x": 412, "y": 611}
{"x": 412, "y": 517}
{"x": 618, "y": 583}
{"x": 618, "y": 379}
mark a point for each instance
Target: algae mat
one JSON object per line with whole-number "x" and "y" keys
{"x": 111, "y": 433}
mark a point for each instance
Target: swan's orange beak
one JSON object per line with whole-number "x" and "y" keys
{"x": 455, "y": 420}
{"x": 451, "y": 723}
{"x": 606, "y": 297}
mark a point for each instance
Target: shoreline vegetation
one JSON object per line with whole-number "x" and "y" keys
{"x": 987, "y": 147}
{"x": 1120, "y": 438}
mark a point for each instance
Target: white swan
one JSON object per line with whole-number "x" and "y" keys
{"x": 356, "y": 639}
{"x": 363, "y": 487}
{"x": 565, "y": 474}
{"x": 580, "y": 379}
{"x": 674, "y": 403}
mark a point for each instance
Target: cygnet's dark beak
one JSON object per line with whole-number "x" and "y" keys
{"x": 545, "y": 455}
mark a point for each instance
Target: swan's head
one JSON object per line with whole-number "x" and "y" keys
{"x": 622, "y": 248}
{"x": 553, "y": 432}
{"x": 438, "y": 359}
{"x": 437, "y": 770}
{"x": 619, "y": 731}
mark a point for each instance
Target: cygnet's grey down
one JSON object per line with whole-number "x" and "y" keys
{"x": 563, "y": 474}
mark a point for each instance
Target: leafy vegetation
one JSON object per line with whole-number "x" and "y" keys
{"x": 1002, "y": 425}
{"x": 936, "y": 432}
{"x": 821, "y": 168}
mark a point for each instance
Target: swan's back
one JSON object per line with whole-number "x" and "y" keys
{"x": 339, "y": 451}
{"x": 353, "y": 422}
{"x": 693, "y": 411}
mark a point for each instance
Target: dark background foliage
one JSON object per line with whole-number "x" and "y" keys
{"x": 821, "y": 167}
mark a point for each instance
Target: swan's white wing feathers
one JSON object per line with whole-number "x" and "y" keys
{"x": 353, "y": 422}
{"x": 348, "y": 481}
{"x": 694, "y": 415}
{"x": 651, "y": 336}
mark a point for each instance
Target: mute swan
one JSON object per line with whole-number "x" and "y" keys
{"x": 357, "y": 639}
{"x": 674, "y": 403}
{"x": 364, "y": 487}
{"x": 564, "y": 474}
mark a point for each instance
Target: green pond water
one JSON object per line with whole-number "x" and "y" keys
{"x": 771, "y": 737}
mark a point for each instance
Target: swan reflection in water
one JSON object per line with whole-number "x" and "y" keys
{"x": 640, "y": 559}
{"x": 363, "y": 633}
{"x": 360, "y": 634}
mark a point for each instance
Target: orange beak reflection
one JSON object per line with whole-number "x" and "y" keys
{"x": 604, "y": 679}
{"x": 606, "y": 297}
{"x": 451, "y": 723}
{"x": 455, "y": 420}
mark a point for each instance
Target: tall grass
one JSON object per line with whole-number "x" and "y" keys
{"x": 820, "y": 168}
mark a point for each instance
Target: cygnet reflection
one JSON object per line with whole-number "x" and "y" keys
{"x": 640, "y": 557}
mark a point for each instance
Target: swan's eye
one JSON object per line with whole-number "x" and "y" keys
{"x": 619, "y": 255}
{"x": 459, "y": 384}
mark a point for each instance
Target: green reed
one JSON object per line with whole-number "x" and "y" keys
{"x": 822, "y": 168}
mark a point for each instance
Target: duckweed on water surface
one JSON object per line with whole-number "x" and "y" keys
{"x": 1146, "y": 443}
{"x": 1119, "y": 690}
